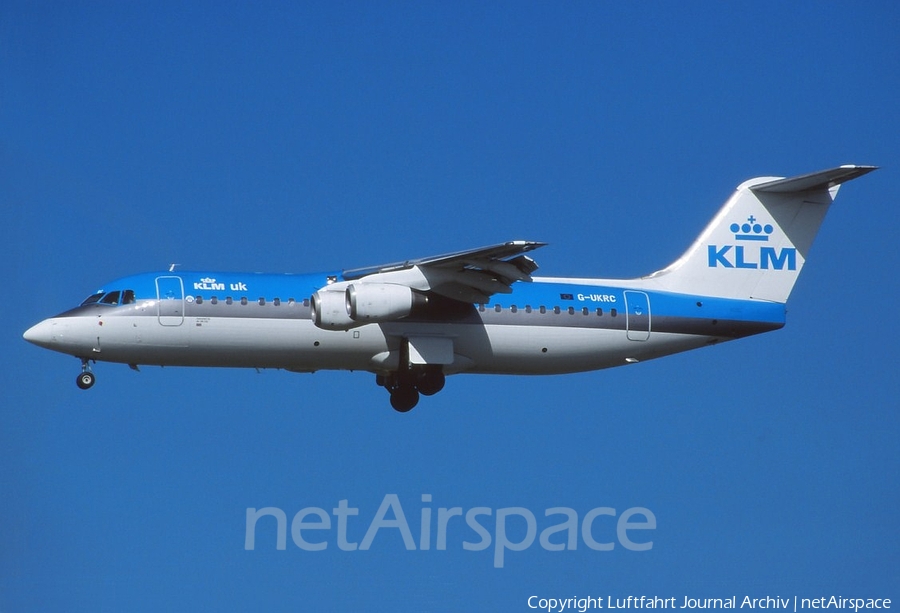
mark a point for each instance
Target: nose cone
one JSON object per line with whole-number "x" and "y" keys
{"x": 40, "y": 334}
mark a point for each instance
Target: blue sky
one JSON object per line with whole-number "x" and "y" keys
{"x": 298, "y": 137}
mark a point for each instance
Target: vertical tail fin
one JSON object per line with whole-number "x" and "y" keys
{"x": 757, "y": 244}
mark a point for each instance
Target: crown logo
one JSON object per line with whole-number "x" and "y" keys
{"x": 751, "y": 230}
{"x": 207, "y": 280}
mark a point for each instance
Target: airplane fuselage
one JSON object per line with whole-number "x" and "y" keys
{"x": 547, "y": 326}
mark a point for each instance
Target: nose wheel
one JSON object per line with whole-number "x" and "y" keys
{"x": 86, "y": 379}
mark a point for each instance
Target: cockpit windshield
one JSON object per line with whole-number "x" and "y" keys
{"x": 112, "y": 298}
{"x": 92, "y": 298}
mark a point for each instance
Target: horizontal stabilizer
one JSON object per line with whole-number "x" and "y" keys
{"x": 825, "y": 179}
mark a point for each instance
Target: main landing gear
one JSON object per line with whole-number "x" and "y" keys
{"x": 405, "y": 387}
{"x": 86, "y": 379}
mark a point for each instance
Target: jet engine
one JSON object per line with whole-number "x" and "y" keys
{"x": 329, "y": 311}
{"x": 363, "y": 303}
{"x": 375, "y": 302}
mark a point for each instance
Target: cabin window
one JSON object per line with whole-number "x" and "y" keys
{"x": 556, "y": 310}
{"x": 244, "y": 300}
{"x": 599, "y": 312}
{"x": 571, "y": 310}
{"x": 262, "y": 301}
{"x": 228, "y": 300}
{"x": 291, "y": 302}
{"x": 306, "y": 302}
{"x": 613, "y": 312}
{"x": 513, "y": 309}
{"x": 277, "y": 302}
{"x": 528, "y": 308}
{"x": 214, "y": 300}
{"x": 498, "y": 308}
{"x": 585, "y": 311}
{"x": 199, "y": 299}
{"x": 543, "y": 309}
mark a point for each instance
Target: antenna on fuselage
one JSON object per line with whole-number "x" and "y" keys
{"x": 172, "y": 267}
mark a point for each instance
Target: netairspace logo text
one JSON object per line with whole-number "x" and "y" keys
{"x": 506, "y": 529}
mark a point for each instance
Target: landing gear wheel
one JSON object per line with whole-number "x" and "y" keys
{"x": 85, "y": 380}
{"x": 404, "y": 398}
{"x": 430, "y": 382}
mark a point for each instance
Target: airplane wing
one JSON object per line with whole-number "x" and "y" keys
{"x": 469, "y": 276}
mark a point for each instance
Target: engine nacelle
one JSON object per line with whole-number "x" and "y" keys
{"x": 376, "y": 302}
{"x": 329, "y": 311}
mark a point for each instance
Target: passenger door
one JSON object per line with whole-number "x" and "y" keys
{"x": 637, "y": 315}
{"x": 170, "y": 300}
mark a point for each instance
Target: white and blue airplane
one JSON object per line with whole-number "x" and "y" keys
{"x": 479, "y": 311}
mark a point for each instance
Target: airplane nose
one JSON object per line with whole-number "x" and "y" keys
{"x": 39, "y": 334}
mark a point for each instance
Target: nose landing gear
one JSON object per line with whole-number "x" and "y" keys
{"x": 86, "y": 379}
